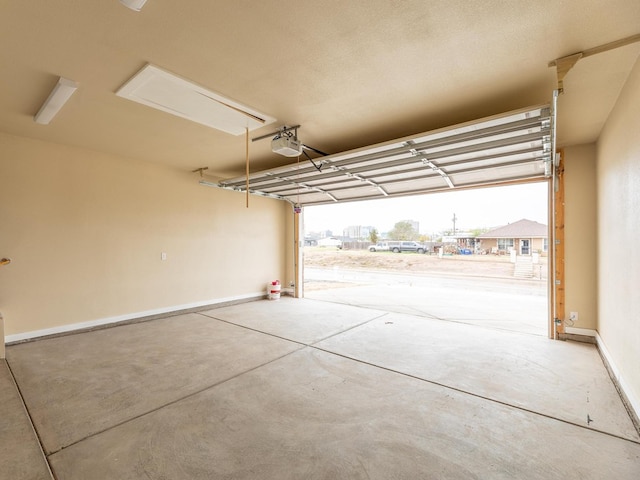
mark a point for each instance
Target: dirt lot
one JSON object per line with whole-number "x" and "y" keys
{"x": 481, "y": 265}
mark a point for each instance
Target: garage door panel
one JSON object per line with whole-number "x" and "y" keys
{"x": 422, "y": 185}
{"x": 483, "y": 160}
{"x": 498, "y": 174}
{"x": 501, "y": 149}
{"x": 365, "y": 191}
{"x": 313, "y": 198}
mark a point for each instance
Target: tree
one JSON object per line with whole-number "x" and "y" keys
{"x": 403, "y": 231}
{"x": 476, "y": 232}
{"x": 373, "y": 236}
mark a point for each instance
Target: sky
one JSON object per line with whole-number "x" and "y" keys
{"x": 480, "y": 208}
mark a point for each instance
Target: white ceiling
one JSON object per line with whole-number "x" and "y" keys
{"x": 351, "y": 74}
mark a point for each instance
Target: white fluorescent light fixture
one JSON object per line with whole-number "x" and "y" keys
{"x": 135, "y": 5}
{"x": 159, "y": 89}
{"x": 59, "y": 96}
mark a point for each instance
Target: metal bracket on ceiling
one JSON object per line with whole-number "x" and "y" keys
{"x": 285, "y": 131}
{"x": 201, "y": 170}
{"x": 281, "y": 131}
{"x": 564, "y": 64}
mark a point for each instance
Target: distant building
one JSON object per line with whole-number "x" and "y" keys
{"x": 462, "y": 240}
{"x": 358, "y": 232}
{"x": 524, "y": 236}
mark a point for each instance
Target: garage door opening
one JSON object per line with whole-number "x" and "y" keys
{"x": 485, "y": 261}
{"x": 506, "y": 150}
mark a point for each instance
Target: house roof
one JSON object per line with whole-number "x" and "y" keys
{"x": 521, "y": 229}
{"x": 352, "y": 74}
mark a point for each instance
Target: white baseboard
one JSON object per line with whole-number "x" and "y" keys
{"x": 632, "y": 402}
{"x": 19, "y": 337}
{"x": 581, "y": 331}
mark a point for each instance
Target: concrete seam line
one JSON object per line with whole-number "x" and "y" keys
{"x": 489, "y": 399}
{"x": 289, "y": 339}
{"x": 172, "y": 402}
{"x": 229, "y": 322}
{"x": 28, "y": 414}
{"x": 349, "y": 329}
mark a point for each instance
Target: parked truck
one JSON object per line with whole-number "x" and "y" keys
{"x": 379, "y": 247}
{"x": 407, "y": 246}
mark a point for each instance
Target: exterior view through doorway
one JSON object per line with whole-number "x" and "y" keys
{"x": 469, "y": 275}
{"x": 508, "y": 149}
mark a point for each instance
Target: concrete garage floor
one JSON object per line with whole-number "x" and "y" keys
{"x": 295, "y": 389}
{"x": 504, "y": 303}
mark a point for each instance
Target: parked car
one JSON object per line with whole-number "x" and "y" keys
{"x": 407, "y": 246}
{"x": 379, "y": 247}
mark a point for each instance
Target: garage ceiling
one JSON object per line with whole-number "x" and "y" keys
{"x": 498, "y": 150}
{"x": 353, "y": 74}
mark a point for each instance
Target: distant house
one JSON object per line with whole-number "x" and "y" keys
{"x": 525, "y": 236}
{"x": 465, "y": 240}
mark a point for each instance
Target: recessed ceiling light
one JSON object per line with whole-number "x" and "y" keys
{"x": 164, "y": 91}
{"x": 135, "y": 5}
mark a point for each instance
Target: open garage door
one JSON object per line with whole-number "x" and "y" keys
{"x": 503, "y": 149}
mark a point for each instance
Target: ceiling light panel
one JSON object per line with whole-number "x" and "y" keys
{"x": 135, "y": 5}
{"x": 159, "y": 89}
{"x": 56, "y": 100}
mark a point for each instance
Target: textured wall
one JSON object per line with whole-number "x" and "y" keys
{"x": 86, "y": 230}
{"x": 618, "y": 179}
{"x": 581, "y": 235}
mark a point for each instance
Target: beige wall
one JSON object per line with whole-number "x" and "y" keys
{"x": 580, "y": 232}
{"x": 85, "y": 231}
{"x": 618, "y": 180}
{"x": 537, "y": 245}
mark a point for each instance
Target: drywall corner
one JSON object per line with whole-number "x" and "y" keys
{"x": 618, "y": 196}
{"x": 631, "y": 403}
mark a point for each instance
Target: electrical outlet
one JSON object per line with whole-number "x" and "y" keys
{"x": 573, "y": 316}
{"x": 163, "y": 256}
